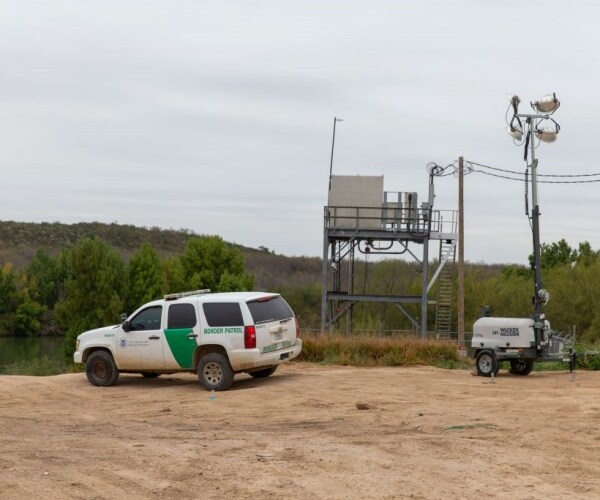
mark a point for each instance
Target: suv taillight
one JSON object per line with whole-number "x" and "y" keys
{"x": 297, "y": 327}
{"x": 249, "y": 337}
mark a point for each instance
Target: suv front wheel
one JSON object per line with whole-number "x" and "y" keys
{"x": 214, "y": 372}
{"x": 100, "y": 369}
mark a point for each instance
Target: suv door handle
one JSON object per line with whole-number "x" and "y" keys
{"x": 192, "y": 336}
{"x": 154, "y": 337}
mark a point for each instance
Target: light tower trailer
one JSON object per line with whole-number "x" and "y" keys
{"x": 514, "y": 340}
{"x": 523, "y": 341}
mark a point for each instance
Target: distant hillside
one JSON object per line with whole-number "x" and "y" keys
{"x": 19, "y": 241}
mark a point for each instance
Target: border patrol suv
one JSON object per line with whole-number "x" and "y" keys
{"x": 214, "y": 335}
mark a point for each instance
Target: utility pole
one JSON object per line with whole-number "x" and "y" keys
{"x": 325, "y": 270}
{"x": 460, "y": 306}
{"x": 335, "y": 120}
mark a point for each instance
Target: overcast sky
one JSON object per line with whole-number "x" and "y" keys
{"x": 217, "y": 116}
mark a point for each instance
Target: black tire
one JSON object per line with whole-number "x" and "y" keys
{"x": 150, "y": 374}
{"x": 267, "y": 372}
{"x": 215, "y": 372}
{"x": 484, "y": 362}
{"x": 521, "y": 366}
{"x": 100, "y": 369}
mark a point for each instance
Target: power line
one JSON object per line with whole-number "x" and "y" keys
{"x": 496, "y": 175}
{"x": 520, "y": 179}
{"x": 439, "y": 171}
{"x": 541, "y": 182}
{"x": 539, "y": 175}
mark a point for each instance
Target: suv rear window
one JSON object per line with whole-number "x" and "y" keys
{"x": 223, "y": 314}
{"x": 182, "y": 316}
{"x": 269, "y": 309}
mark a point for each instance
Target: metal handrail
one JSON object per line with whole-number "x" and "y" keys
{"x": 391, "y": 218}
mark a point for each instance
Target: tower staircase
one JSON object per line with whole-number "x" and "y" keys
{"x": 445, "y": 289}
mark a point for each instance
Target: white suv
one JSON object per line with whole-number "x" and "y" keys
{"x": 214, "y": 335}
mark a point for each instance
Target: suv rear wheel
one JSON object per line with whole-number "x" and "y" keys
{"x": 214, "y": 372}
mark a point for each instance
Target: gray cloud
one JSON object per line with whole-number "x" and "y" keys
{"x": 216, "y": 116}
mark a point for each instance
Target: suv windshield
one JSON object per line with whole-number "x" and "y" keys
{"x": 269, "y": 309}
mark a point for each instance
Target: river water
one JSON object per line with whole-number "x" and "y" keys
{"x": 19, "y": 351}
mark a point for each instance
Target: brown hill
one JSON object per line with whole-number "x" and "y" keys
{"x": 19, "y": 241}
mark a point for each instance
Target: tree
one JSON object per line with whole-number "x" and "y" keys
{"x": 173, "y": 275}
{"x": 8, "y": 298}
{"x": 146, "y": 278}
{"x": 43, "y": 279}
{"x": 560, "y": 253}
{"x": 556, "y": 254}
{"x": 574, "y": 297}
{"x": 305, "y": 301}
{"x": 585, "y": 255}
{"x": 208, "y": 262}
{"x": 27, "y": 318}
{"x": 94, "y": 289}
{"x": 8, "y": 289}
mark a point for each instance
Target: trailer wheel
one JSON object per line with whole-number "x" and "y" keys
{"x": 484, "y": 363}
{"x": 521, "y": 366}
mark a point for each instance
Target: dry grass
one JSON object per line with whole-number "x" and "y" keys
{"x": 380, "y": 351}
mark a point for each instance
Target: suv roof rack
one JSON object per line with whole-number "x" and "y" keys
{"x": 179, "y": 295}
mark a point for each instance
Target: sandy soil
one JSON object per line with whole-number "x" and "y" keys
{"x": 307, "y": 432}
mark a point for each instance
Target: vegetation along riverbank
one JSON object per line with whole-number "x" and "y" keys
{"x": 58, "y": 279}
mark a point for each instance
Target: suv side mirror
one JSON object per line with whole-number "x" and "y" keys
{"x": 126, "y": 326}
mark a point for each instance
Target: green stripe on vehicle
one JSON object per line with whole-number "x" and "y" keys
{"x": 276, "y": 347}
{"x": 181, "y": 345}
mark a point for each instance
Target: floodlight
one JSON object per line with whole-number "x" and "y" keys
{"x": 546, "y": 134}
{"x": 516, "y": 132}
{"x": 547, "y": 104}
{"x": 514, "y": 100}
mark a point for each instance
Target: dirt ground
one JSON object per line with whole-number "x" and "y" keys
{"x": 307, "y": 432}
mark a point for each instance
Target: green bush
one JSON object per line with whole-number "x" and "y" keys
{"x": 588, "y": 362}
